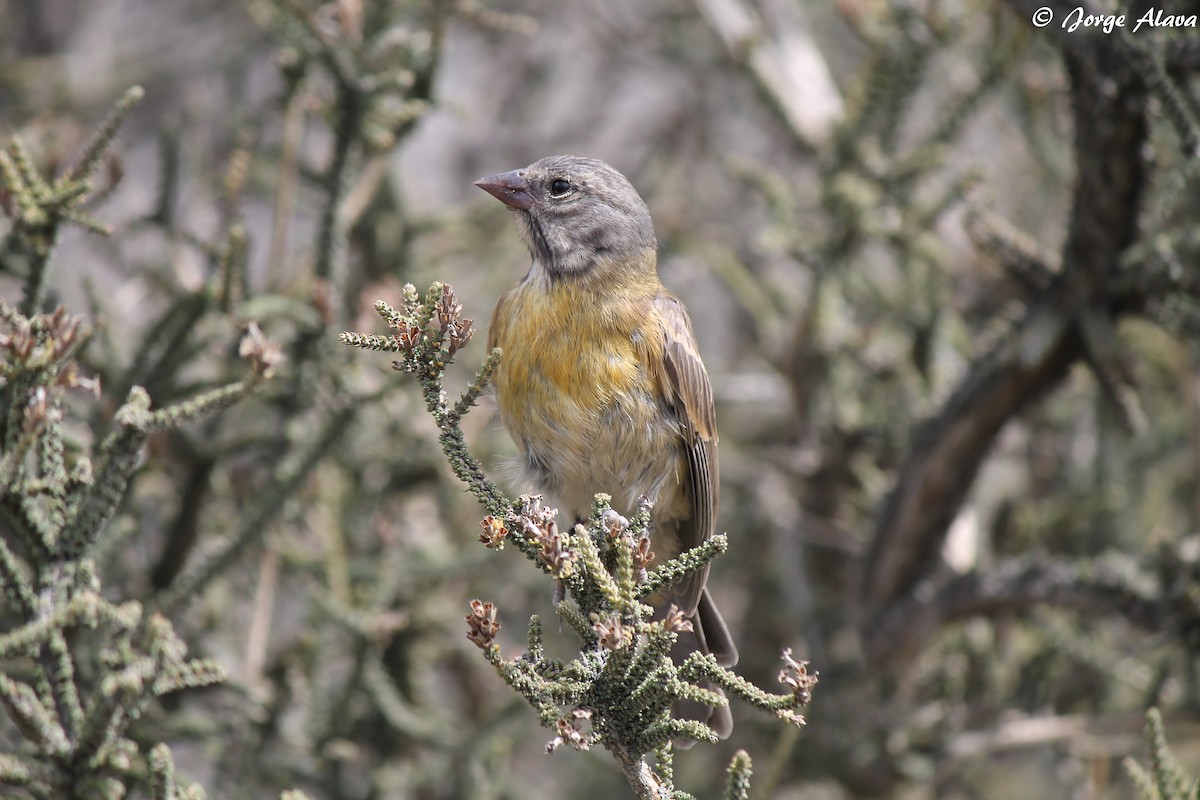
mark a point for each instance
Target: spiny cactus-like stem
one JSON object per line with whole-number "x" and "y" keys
{"x": 93, "y": 152}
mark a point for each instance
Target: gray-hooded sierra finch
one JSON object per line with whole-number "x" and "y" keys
{"x": 601, "y": 384}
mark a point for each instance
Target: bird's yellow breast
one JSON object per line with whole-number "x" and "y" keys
{"x": 567, "y": 351}
{"x": 574, "y": 389}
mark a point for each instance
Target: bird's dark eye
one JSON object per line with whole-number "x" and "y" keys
{"x": 559, "y": 187}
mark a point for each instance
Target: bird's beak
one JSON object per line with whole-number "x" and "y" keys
{"x": 509, "y": 188}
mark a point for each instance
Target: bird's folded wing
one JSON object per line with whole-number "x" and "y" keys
{"x": 688, "y": 391}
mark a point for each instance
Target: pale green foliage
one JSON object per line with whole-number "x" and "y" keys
{"x": 1164, "y": 779}
{"x": 74, "y": 702}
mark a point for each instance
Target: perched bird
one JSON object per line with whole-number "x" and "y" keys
{"x": 600, "y": 383}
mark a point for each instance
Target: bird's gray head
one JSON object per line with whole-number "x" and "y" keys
{"x": 575, "y": 213}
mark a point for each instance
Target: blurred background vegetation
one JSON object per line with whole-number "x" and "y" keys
{"x": 943, "y": 269}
